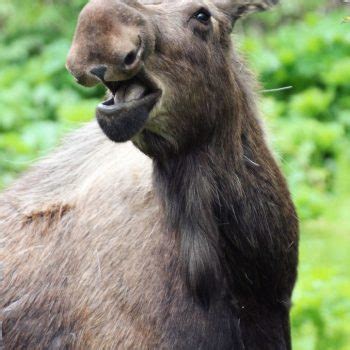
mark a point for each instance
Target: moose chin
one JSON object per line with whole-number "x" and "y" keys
{"x": 166, "y": 223}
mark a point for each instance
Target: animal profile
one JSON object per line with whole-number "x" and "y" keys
{"x": 166, "y": 223}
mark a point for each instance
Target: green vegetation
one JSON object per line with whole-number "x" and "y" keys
{"x": 305, "y": 45}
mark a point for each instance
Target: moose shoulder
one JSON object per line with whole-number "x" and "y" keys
{"x": 166, "y": 224}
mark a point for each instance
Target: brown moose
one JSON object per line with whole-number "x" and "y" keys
{"x": 181, "y": 234}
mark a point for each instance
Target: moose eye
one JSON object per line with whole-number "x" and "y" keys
{"x": 202, "y": 16}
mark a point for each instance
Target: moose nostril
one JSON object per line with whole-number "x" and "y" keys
{"x": 99, "y": 72}
{"x": 130, "y": 58}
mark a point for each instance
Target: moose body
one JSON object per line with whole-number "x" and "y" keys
{"x": 183, "y": 238}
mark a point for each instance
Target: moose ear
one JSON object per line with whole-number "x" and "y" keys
{"x": 238, "y": 8}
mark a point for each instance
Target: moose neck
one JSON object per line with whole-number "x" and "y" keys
{"x": 199, "y": 188}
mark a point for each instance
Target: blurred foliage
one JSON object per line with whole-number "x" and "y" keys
{"x": 311, "y": 121}
{"x": 39, "y": 100}
{"x": 303, "y": 44}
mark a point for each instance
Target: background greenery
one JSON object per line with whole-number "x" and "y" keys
{"x": 301, "y": 44}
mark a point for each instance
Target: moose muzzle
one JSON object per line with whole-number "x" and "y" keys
{"x": 111, "y": 44}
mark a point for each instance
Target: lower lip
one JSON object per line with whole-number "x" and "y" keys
{"x": 122, "y": 121}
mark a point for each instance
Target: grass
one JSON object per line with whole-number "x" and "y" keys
{"x": 321, "y": 311}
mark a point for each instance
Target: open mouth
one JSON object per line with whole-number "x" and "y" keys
{"x": 126, "y": 112}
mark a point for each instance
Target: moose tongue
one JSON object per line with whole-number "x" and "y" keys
{"x": 128, "y": 93}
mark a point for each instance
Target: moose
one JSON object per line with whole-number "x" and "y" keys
{"x": 166, "y": 223}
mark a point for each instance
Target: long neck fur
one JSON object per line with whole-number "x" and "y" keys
{"x": 229, "y": 207}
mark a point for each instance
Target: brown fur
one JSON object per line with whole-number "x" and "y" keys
{"x": 189, "y": 244}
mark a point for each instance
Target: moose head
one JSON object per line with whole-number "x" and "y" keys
{"x": 169, "y": 67}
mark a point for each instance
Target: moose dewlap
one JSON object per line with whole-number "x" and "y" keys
{"x": 166, "y": 224}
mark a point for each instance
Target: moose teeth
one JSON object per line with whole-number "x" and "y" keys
{"x": 128, "y": 93}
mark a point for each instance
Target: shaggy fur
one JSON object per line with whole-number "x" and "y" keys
{"x": 188, "y": 240}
